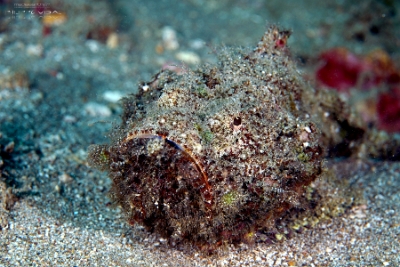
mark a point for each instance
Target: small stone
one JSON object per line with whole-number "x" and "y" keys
{"x": 65, "y": 178}
{"x": 54, "y": 19}
{"x": 197, "y": 44}
{"x": 188, "y": 57}
{"x": 9, "y": 148}
{"x": 112, "y": 40}
{"x": 145, "y": 88}
{"x": 60, "y": 76}
{"x": 34, "y": 50}
{"x": 112, "y": 96}
{"x": 93, "y": 45}
{"x": 169, "y": 38}
{"x": 97, "y": 110}
{"x": 69, "y": 119}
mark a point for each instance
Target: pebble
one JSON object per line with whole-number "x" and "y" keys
{"x": 188, "y": 57}
{"x": 112, "y": 96}
{"x": 93, "y": 45}
{"x": 97, "y": 110}
{"x": 169, "y": 39}
{"x": 69, "y": 119}
{"x": 197, "y": 44}
{"x": 112, "y": 40}
{"x": 34, "y": 50}
{"x": 65, "y": 178}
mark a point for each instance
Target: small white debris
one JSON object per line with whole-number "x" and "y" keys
{"x": 308, "y": 129}
{"x": 69, "y": 119}
{"x": 57, "y": 188}
{"x": 145, "y": 88}
{"x": 34, "y": 50}
{"x": 60, "y": 76}
{"x": 188, "y": 57}
{"x": 197, "y": 44}
{"x": 170, "y": 42}
{"x": 112, "y": 40}
{"x": 112, "y": 96}
{"x": 65, "y": 178}
{"x": 97, "y": 110}
{"x": 93, "y": 45}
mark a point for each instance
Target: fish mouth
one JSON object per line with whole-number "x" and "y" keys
{"x": 204, "y": 186}
{"x": 157, "y": 179}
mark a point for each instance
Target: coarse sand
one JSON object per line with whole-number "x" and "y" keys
{"x": 60, "y": 82}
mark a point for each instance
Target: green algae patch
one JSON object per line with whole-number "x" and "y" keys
{"x": 229, "y": 198}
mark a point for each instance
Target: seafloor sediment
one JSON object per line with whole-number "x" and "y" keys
{"x": 58, "y": 91}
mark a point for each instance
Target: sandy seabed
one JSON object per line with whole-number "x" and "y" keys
{"x": 58, "y": 94}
